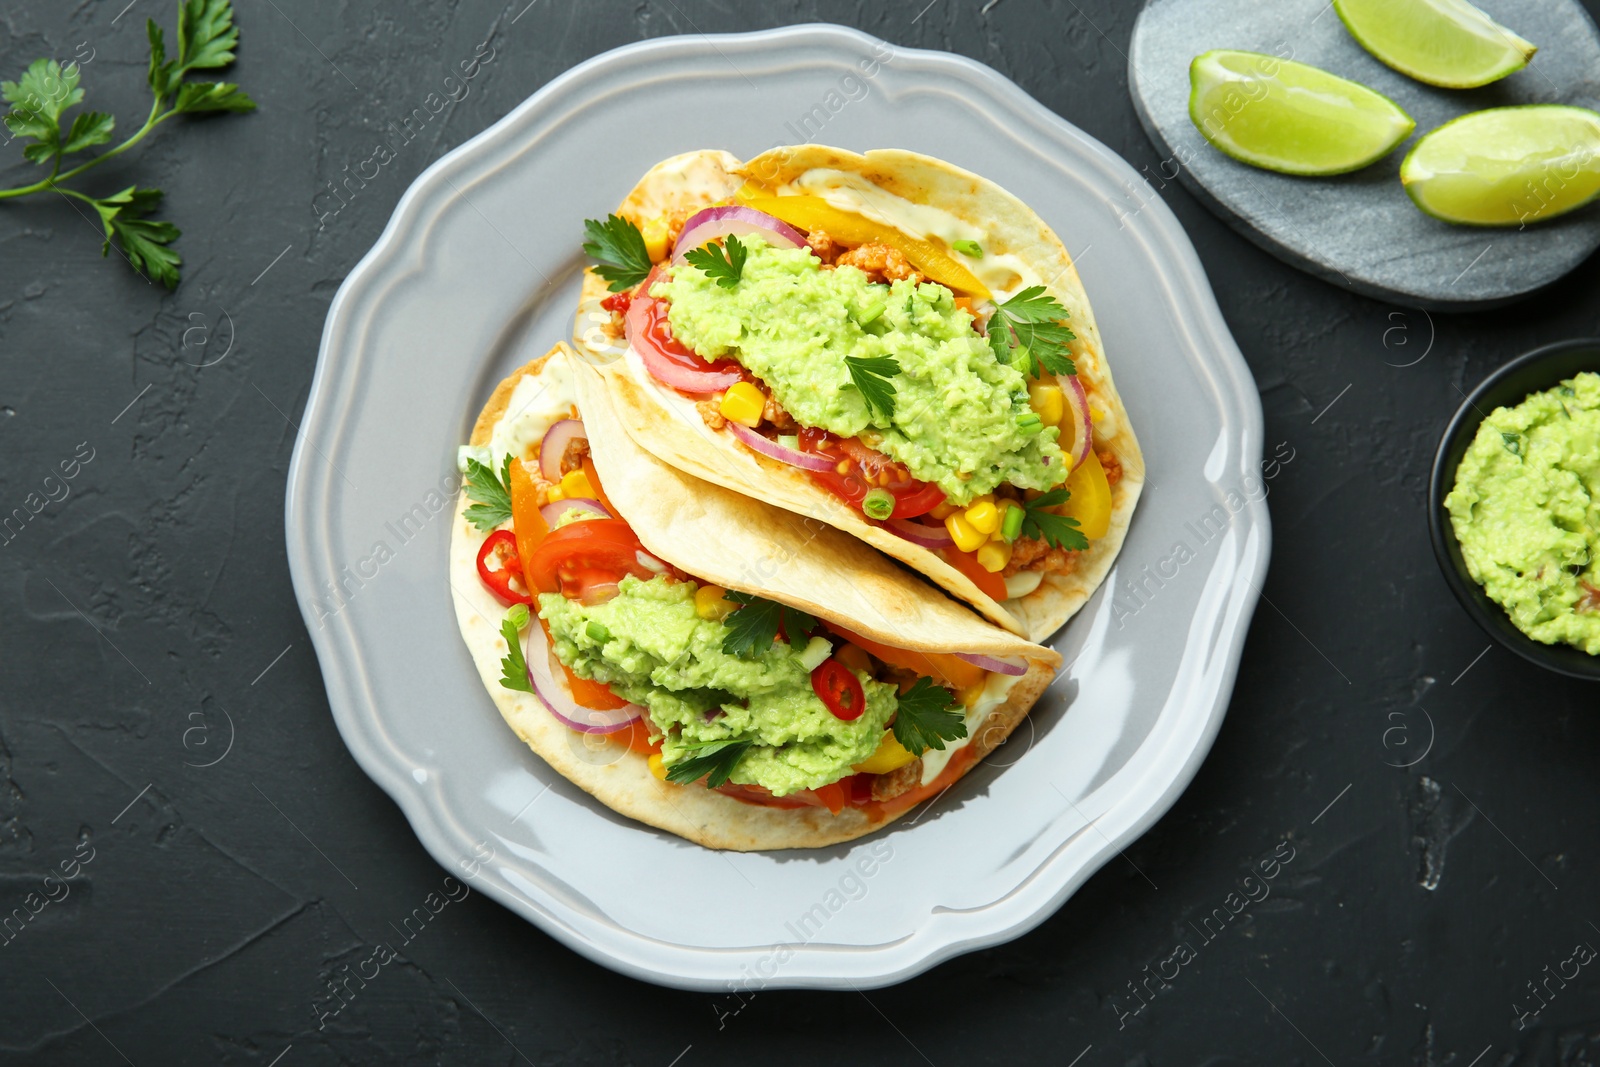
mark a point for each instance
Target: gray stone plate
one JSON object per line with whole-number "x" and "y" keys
{"x": 478, "y": 271}
{"x": 1361, "y": 230}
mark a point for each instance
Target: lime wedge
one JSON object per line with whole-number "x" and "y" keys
{"x": 1289, "y": 117}
{"x": 1441, "y": 42}
{"x": 1508, "y": 166}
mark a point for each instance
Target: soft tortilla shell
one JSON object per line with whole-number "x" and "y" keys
{"x": 675, "y": 435}
{"x": 742, "y": 544}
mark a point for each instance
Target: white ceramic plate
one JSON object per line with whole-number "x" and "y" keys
{"x": 478, "y": 271}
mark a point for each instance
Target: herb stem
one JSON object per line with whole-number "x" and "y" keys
{"x": 156, "y": 118}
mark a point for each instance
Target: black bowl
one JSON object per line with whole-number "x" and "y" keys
{"x": 1543, "y": 368}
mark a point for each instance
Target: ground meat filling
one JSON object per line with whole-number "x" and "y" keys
{"x": 711, "y": 412}
{"x": 879, "y": 263}
{"x": 1031, "y": 554}
{"x": 902, "y": 780}
{"x": 577, "y": 451}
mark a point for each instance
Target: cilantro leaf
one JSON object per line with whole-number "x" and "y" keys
{"x": 619, "y": 246}
{"x": 1057, "y": 531}
{"x": 928, "y": 717}
{"x": 143, "y": 240}
{"x": 491, "y": 491}
{"x": 753, "y": 628}
{"x": 725, "y": 266}
{"x": 513, "y": 665}
{"x": 871, "y": 375}
{"x": 196, "y": 98}
{"x": 715, "y": 763}
{"x": 1029, "y": 326}
{"x": 45, "y": 90}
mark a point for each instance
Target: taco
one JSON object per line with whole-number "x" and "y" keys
{"x": 883, "y": 341}
{"x": 732, "y": 673}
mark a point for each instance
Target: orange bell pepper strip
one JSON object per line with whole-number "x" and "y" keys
{"x": 938, "y": 665}
{"x": 599, "y": 490}
{"x": 1090, "y": 502}
{"x": 526, "y": 519}
{"x": 809, "y": 213}
{"x": 989, "y": 583}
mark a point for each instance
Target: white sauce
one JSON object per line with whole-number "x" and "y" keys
{"x": 1002, "y": 274}
{"x": 994, "y": 694}
{"x": 537, "y": 402}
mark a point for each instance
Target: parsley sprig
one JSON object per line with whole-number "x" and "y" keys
{"x": 619, "y": 246}
{"x": 41, "y": 97}
{"x": 1031, "y": 321}
{"x": 871, "y": 375}
{"x": 514, "y": 665}
{"x": 715, "y": 763}
{"x": 724, "y": 266}
{"x": 491, "y": 491}
{"x": 753, "y": 628}
{"x": 1057, "y": 531}
{"x": 929, "y": 715}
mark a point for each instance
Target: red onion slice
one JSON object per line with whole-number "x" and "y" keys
{"x": 549, "y": 685}
{"x": 554, "y": 446}
{"x": 772, "y": 450}
{"x": 1082, "y": 421}
{"x": 557, "y": 508}
{"x": 716, "y": 222}
{"x": 1010, "y": 665}
{"x": 920, "y": 533}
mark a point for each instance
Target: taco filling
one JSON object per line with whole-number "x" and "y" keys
{"x": 881, "y": 366}
{"x": 721, "y": 689}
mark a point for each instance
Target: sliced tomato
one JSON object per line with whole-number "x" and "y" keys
{"x": 665, "y": 357}
{"x": 989, "y": 583}
{"x": 866, "y": 469}
{"x": 839, "y": 688}
{"x": 501, "y": 548}
{"x": 579, "y": 557}
{"x": 835, "y": 796}
{"x": 941, "y": 666}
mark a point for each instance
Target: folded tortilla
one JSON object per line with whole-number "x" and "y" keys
{"x": 667, "y": 424}
{"x": 731, "y": 540}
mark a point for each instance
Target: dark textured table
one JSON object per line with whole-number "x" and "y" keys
{"x": 1425, "y": 802}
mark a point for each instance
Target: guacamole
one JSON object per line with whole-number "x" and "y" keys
{"x": 1526, "y": 510}
{"x": 792, "y": 324}
{"x": 654, "y": 650}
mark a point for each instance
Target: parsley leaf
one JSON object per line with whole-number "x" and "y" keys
{"x": 144, "y": 240}
{"x": 45, "y": 90}
{"x": 928, "y": 717}
{"x": 514, "y": 665}
{"x": 1057, "y": 531}
{"x": 1029, "y": 325}
{"x": 753, "y": 628}
{"x": 871, "y": 376}
{"x": 715, "y": 763}
{"x": 196, "y": 98}
{"x": 619, "y": 246}
{"x": 725, "y": 267}
{"x": 491, "y": 491}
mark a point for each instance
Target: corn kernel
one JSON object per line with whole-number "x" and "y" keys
{"x": 994, "y": 556}
{"x": 708, "y": 603}
{"x": 553, "y": 494}
{"x": 658, "y": 766}
{"x": 842, "y": 467}
{"x": 743, "y": 403}
{"x": 945, "y": 510}
{"x": 984, "y": 517}
{"x": 576, "y": 483}
{"x": 961, "y": 532}
{"x": 1048, "y": 401}
{"x": 655, "y": 235}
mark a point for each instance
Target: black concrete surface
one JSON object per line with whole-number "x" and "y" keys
{"x": 1428, "y": 914}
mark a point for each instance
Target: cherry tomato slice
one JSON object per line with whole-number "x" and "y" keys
{"x": 584, "y": 554}
{"x": 664, "y": 356}
{"x": 865, "y": 470}
{"x": 839, "y": 689}
{"x": 989, "y": 583}
{"x": 502, "y": 546}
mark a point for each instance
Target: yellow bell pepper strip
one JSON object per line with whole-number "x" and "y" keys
{"x": 890, "y": 756}
{"x": 1090, "y": 502}
{"x": 809, "y": 213}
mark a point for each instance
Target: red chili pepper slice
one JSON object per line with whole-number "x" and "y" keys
{"x": 502, "y": 546}
{"x": 838, "y": 688}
